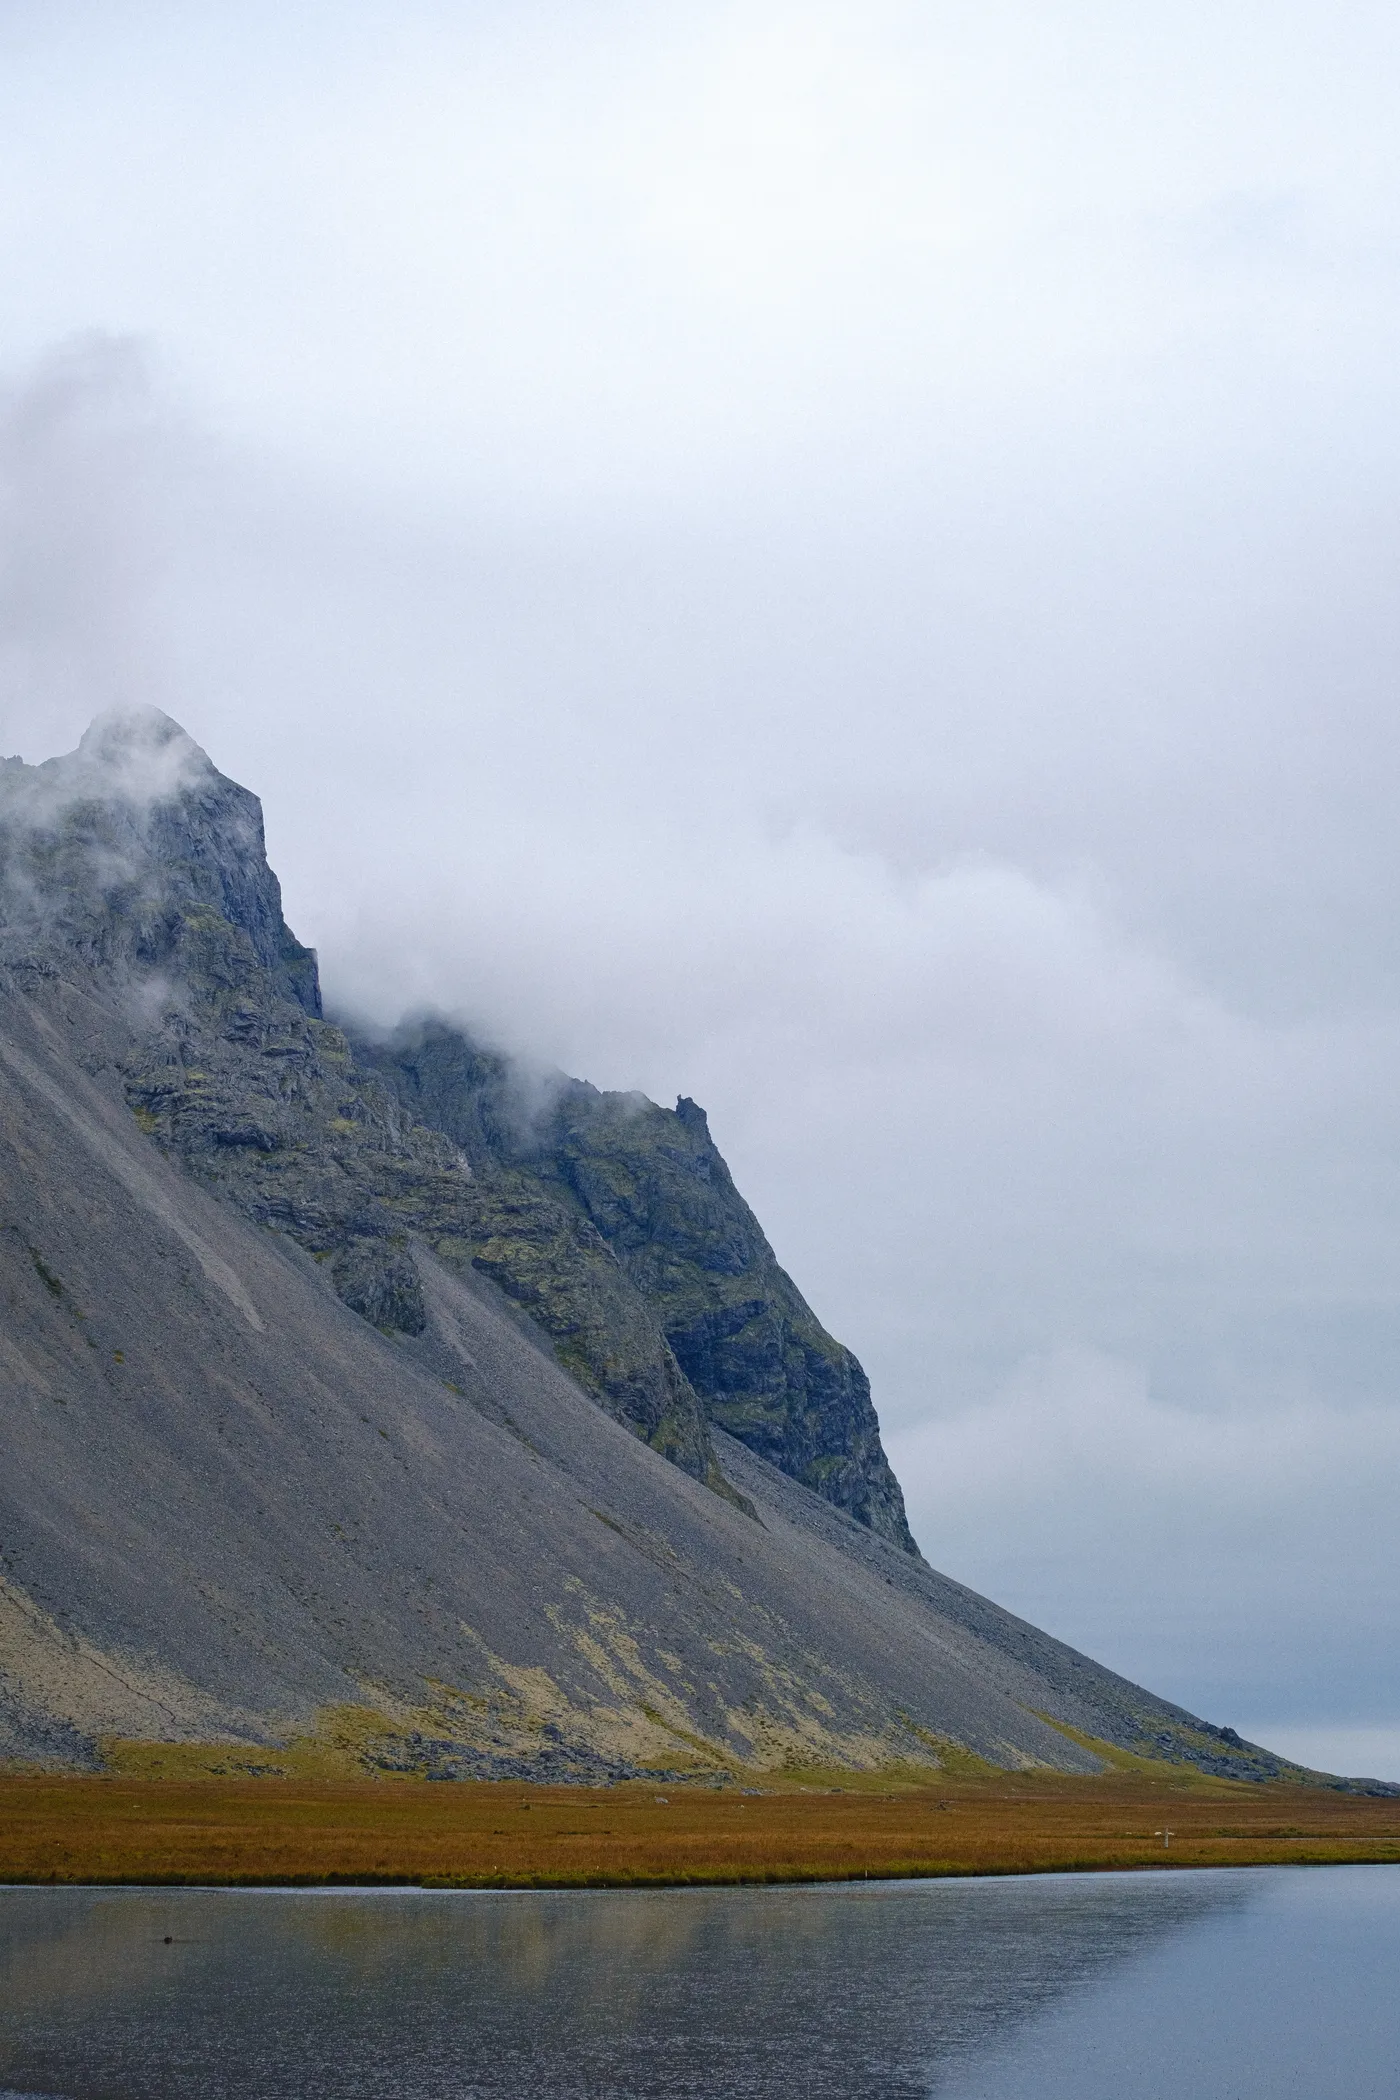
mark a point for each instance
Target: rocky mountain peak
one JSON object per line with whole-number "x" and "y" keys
{"x": 614, "y": 1224}
{"x": 140, "y": 752}
{"x": 116, "y": 851}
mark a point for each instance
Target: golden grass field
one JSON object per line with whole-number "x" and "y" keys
{"x": 801, "y": 1827}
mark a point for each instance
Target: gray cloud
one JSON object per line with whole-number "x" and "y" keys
{"x": 840, "y": 563}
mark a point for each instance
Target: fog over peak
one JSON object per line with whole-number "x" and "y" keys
{"x": 838, "y": 563}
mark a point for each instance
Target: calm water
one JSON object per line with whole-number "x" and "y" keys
{"x": 1211, "y": 1986}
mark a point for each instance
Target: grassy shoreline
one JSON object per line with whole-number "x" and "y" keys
{"x": 118, "y": 1831}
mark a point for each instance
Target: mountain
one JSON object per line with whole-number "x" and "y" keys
{"x": 377, "y": 1401}
{"x": 650, "y": 1181}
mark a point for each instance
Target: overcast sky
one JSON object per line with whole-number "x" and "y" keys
{"x": 841, "y": 560}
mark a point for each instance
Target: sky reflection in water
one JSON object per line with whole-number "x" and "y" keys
{"x": 1224, "y": 1985}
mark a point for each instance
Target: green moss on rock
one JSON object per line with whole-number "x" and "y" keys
{"x": 652, "y": 1184}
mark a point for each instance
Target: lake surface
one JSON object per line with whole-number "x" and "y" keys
{"x": 1198, "y": 1986}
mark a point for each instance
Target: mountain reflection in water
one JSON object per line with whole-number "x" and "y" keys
{"x": 1221, "y": 1984}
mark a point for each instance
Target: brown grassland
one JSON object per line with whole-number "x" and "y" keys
{"x": 801, "y": 1827}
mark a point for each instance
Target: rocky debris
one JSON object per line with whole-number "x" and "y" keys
{"x": 555, "y": 1762}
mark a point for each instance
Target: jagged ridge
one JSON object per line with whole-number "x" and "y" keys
{"x": 654, "y": 1185}
{"x": 613, "y": 1223}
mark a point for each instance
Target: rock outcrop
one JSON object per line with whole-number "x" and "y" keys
{"x": 134, "y": 852}
{"x": 652, "y": 1183}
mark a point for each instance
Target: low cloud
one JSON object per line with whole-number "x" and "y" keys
{"x": 92, "y": 814}
{"x": 841, "y": 564}
{"x": 87, "y": 456}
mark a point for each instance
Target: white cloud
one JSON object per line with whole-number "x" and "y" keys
{"x": 562, "y": 251}
{"x": 840, "y": 561}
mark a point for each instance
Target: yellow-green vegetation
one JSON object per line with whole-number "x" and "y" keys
{"x": 341, "y": 1748}
{"x": 1131, "y": 1760}
{"x": 806, "y": 1826}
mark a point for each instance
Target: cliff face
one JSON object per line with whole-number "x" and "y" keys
{"x": 652, "y": 1183}
{"x": 138, "y": 858}
{"x": 613, "y": 1223}
{"x": 134, "y": 852}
